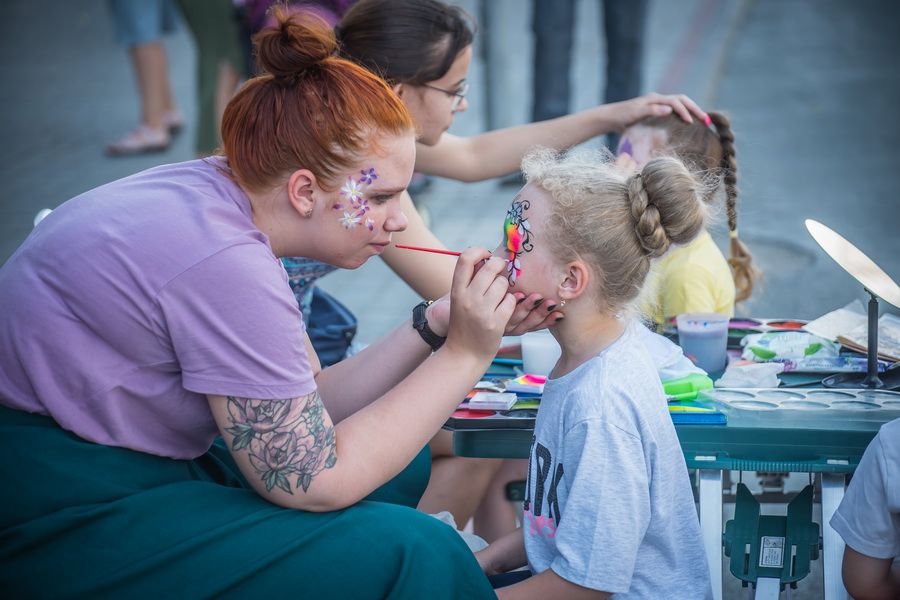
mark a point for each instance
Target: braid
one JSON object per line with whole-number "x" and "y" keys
{"x": 647, "y": 224}
{"x": 743, "y": 270}
{"x": 728, "y": 165}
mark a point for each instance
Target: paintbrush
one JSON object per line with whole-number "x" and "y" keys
{"x": 434, "y": 250}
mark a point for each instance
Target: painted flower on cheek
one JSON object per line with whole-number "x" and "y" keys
{"x": 358, "y": 206}
{"x": 352, "y": 190}
{"x": 516, "y": 237}
{"x": 350, "y": 220}
{"x": 368, "y": 176}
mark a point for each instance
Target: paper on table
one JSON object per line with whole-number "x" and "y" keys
{"x": 849, "y": 326}
{"x": 888, "y": 337}
{"x": 838, "y": 322}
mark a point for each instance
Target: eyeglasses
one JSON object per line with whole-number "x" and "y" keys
{"x": 458, "y": 95}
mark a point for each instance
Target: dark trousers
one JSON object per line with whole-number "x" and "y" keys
{"x": 554, "y": 23}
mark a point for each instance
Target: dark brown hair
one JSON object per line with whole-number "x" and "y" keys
{"x": 704, "y": 149}
{"x": 405, "y": 41}
{"x": 309, "y": 108}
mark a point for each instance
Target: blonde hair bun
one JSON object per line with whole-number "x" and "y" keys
{"x": 666, "y": 205}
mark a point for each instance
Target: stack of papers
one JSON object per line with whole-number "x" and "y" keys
{"x": 527, "y": 384}
{"x": 492, "y": 401}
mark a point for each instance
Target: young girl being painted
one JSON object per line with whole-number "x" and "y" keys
{"x": 608, "y": 508}
{"x": 695, "y": 277}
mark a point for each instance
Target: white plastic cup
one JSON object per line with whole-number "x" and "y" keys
{"x": 540, "y": 351}
{"x": 703, "y": 338}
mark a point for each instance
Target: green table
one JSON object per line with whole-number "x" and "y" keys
{"x": 712, "y": 449}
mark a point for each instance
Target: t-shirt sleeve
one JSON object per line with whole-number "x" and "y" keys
{"x": 608, "y": 507}
{"x": 235, "y": 327}
{"x": 864, "y": 518}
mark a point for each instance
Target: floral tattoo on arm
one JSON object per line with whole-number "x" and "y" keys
{"x": 516, "y": 237}
{"x": 285, "y": 438}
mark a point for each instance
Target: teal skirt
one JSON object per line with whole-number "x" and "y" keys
{"x": 79, "y": 519}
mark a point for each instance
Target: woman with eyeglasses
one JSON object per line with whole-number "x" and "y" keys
{"x": 423, "y": 48}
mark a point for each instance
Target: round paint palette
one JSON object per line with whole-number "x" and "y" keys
{"x": 806, "y": 408}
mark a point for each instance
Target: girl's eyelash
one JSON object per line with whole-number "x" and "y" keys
{"x": 383, "y": 198}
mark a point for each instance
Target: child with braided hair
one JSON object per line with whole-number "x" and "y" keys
{"x": 695, "y": 277}
{"x": 608, "y": 507}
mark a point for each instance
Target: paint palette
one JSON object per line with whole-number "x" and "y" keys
{"x": 738, "y": 327}
{"x": 806, "y": 408}
{"x": 520, "y": 416}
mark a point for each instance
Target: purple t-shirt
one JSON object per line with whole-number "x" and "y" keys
{"x": 131, "y": 302}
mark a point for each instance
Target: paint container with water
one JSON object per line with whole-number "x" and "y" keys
{"x": 704, "y": 338}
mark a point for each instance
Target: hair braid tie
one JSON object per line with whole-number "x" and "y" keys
{"x": 647, "y": 225}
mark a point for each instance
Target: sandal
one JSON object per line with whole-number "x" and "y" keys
{"x": 142, "y": 140}
{"x": 173, "y": 121}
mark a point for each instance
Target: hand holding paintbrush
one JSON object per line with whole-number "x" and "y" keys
{"x": 531, "y": 313}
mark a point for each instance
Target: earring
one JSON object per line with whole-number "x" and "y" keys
{"x": 308, "y": 213}
{"x": 562, "y": 303}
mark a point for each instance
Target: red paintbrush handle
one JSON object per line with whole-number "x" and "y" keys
{"x": 434, "y": 250}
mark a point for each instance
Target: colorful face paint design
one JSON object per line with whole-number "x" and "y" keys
{"x": 357, "y": 206}
{"x": 625, "y": 147}
{"x": 516, "y": 237}
{"x": 368, "y": 176}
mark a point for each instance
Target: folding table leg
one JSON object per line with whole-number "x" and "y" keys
{"x": 711, "y": 525}
{"x": 832, "y": 543}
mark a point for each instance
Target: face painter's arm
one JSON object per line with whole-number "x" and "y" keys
{"x": 378, "y": 369}
{"x": 499, "y": 152}
{"x": 428, "y": 274}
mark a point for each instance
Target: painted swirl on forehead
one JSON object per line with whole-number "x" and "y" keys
{"x": 516, "y": 237}
{"x": 356, "y": 205}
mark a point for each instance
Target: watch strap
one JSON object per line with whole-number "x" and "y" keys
{"x": 420, "y": 324}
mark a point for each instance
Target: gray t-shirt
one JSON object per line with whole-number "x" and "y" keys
{"x": 869, "y": 515}
{"x": 609, "y": 504}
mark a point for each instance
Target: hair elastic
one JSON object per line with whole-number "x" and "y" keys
{"x": 733, "y": 234}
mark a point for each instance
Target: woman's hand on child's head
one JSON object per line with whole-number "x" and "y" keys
{"x": 656, "y": 105}
{"x": 532, "y": 312}
{"x": 480, "y": 306}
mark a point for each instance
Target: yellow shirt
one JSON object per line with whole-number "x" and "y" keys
{"x": 692, "y": 278}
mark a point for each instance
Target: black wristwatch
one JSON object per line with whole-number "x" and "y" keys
{"x": 420, "y": 324}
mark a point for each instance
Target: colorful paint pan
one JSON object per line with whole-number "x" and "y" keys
{"x": 787, "y": 324}
{"x": 744, "y": 324}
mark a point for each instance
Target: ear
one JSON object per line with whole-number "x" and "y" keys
{"x": 300, "y": 187}
{"x": 398, "y": 89}
{"x": 576, "y": 277}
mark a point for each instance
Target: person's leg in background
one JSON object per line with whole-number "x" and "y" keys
{"x": 220, "y": 63}
{"x": 624, "y": 24}
{"x": 496, "y": 515}
{"x": 553, "y": 25}
{"x": 140, "y": 25}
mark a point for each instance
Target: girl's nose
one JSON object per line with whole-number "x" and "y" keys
{"x": 396, "y": 220}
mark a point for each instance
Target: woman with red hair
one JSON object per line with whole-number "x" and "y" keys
{"x": 170, "y": 323}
